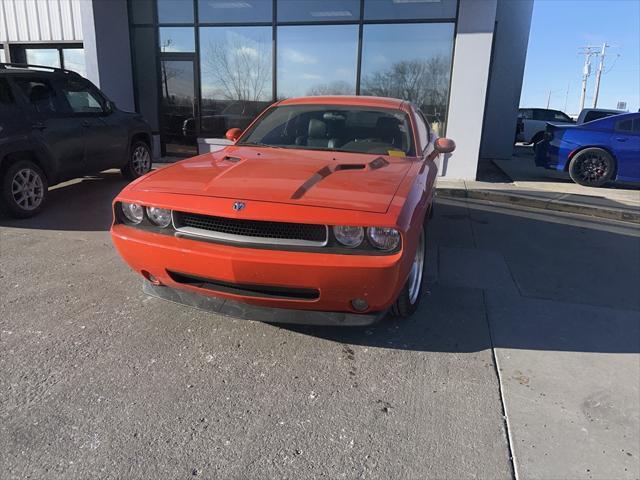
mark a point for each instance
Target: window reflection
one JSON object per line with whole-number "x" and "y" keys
{"x": 175, "y": 11}
{"x": 177, "y": 39}
{"x": 412, "y": 62}
{"x": 235, "y": 11}
{"x": 409, "y": 9}
{"x": 47, "y": 57}
{"x": 236, "y": 76}
{"x": 318, "y": 10}
{"x": 74, "y": 60}
{"x": 178, "y": 106}
{"x": 317, "y": 60}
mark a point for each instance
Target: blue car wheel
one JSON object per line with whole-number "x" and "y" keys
{"x": 592, "y": 167}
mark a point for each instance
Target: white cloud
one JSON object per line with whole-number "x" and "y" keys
{"x": 310, "y": 76}
{"x": 248, "y": 51}
{"x": 298, "y": 57}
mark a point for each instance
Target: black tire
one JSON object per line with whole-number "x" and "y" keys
{"x": 592, "y": 167}
{"x": 408, "y": 301}
{"x": 24, "y": 189}
{"x": 139, "y": 162}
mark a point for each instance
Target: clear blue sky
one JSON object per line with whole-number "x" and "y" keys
{"x": 558, "y": 29}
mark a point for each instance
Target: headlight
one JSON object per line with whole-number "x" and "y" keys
{"x": 383, "y": 238}
{"x": 349, "y": 236}
{"x": 133, "y": 212}
{"x": 159, "y": 216}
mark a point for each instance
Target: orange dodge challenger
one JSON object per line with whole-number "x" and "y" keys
{"x": 316, "y": 214}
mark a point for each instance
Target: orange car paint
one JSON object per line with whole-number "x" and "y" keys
{"x": 398, "y": 195}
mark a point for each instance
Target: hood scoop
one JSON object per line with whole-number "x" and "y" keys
{"x": 324, "y": 172}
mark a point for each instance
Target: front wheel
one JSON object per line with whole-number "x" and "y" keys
{"x": 139, "y": 161}
{"x": 24, "y": 189}
{"x": 407, "y": 302}
{"x": 592, "y": 167}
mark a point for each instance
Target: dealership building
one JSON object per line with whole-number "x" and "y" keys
{"x": 195, "y": 68}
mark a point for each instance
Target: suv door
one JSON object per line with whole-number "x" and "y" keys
{"x": 106, "y": 138}
{"x": 62, "y": 138}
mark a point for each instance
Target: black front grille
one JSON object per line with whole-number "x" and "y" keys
{"x": 259, "y": 291}
{"x": 252, "y": 228}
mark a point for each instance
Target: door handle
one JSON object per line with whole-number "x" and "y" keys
{"x": 621, "y": 139}
{"x": 38, "y": 126}
{"x": 85, "y": 123}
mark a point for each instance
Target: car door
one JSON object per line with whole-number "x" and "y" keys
{"x": 61, "y": 137}
{"x": 625, "y": 143}
{"x": 106, "y": 138}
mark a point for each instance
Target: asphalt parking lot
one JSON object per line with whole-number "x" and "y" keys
{"x": 523, "y": 361}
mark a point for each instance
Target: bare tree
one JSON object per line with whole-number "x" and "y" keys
{"x": 238, "y": 69}
{"x": 424, "y": 82}
{"x": 339, "y": 87}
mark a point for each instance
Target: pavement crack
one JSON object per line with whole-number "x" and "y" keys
{"x": 503, "y": 405}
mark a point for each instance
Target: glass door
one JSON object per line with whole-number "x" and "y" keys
{"x": 179, "y": 107}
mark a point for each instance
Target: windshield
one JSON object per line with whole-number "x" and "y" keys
{"x": 331, "y": 127}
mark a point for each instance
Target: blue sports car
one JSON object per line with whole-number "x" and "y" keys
{"x": 594, "y": 153}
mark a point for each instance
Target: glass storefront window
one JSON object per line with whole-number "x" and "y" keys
{"x": 317, "y": 60}
{"x": 318, "y": 10}
{"x": 74, "y": 60}
{"x": 234, "y": 11}
{"x": 47, "y": 57}
{"x": 236, "y": 76}
{"x": 175, "y": 11}
{"x": 412, "y": 62}
{"x": 177, "y": 39}
{"x": 409, "y": 9}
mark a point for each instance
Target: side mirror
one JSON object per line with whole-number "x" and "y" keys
{"x": 110, "y": 107}
{"x": 444, "y": 145}
{"x": 233, "y": 134}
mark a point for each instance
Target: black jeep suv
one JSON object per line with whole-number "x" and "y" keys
{"x": 55, "y": 125}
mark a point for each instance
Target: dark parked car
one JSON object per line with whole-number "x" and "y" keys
{"x": 594, "y": 153}
{"x": 55, "y": 125}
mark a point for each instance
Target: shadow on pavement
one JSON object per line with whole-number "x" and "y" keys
{"x": 516, "y": 280}
{"x": 83, "y": 204}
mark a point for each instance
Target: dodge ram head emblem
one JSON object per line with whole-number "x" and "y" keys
{"x": 237, "y": 206}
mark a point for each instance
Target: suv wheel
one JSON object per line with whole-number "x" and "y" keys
{"x": 139, "y": 161}
{"x": 24, "y": 189}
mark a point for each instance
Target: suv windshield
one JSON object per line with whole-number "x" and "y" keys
{"x": 333, "y": 127}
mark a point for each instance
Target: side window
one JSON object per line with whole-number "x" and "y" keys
{"x": 525, "y": 114}
{"x": 422, "y": 128}
{"x": 6, "y": 95}
{"x": 39, "y": 93}
{"x": 82, "y": 98}
{"x": 560, "y": 117}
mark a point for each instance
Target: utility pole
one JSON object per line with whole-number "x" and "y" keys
{"x": 599, "y": 74}
{"x": 588, "y": 52}
{"x": 548, "y": 99}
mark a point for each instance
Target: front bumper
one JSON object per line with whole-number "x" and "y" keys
{"x": 236, "y": 309}
{"x": 338, "y": 279}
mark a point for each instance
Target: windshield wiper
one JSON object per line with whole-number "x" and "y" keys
{"x": 258, "y": 144}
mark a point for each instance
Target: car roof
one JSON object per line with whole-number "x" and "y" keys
{"x": 355, "y": 100}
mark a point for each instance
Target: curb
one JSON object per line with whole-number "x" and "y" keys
{"x": 622, "y": 215}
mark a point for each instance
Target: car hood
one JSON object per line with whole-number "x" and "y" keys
{"x": 349, "y": 181}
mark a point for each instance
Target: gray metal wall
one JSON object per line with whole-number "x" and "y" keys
{"x": 40, "y": 20}
{"x": 511, "y": 38}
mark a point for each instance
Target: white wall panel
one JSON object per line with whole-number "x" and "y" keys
{"x": 40, "y": 20}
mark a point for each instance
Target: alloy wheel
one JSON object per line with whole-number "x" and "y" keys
{"x": 141, "y": 160}
{"x": 593, "y": 167}
{"x": 417, "y": 268}
{"x": 27, "y": 189}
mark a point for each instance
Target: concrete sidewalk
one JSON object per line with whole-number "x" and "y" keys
{"x": 549, "y": 190}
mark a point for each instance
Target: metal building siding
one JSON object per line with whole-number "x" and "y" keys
{"x": 40, "y": 21}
